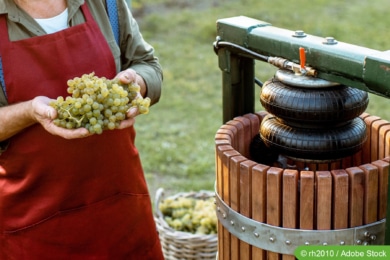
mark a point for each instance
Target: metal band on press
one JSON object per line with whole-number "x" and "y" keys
{"x": 286, "y": 240}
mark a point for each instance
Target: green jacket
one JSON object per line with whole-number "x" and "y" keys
{"x": 132, "y": 52}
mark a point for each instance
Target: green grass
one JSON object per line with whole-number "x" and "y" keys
{"x": 176, "y": 140}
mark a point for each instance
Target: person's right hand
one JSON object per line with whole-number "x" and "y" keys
{"x": 44, "y": 114}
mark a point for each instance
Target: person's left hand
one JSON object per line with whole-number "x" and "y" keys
{"x": 126, "y": 77}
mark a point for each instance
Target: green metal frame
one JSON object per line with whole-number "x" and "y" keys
{"x": 340, "y": 62}
{"x": 348, "y": 64}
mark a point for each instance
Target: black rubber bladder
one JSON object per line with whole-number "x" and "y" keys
{"x": 313, "y": 144}
{"x": 317, "y": 107}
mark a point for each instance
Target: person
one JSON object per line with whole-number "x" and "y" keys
{"x": 66, "y": 193}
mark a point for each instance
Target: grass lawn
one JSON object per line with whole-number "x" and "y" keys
{"x": 176, "y": 140}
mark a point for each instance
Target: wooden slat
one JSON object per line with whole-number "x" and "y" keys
{"x": 220, "y": 147}
{"x": 246, "y": 202}
{"x": 259, "y": 202}
{"x": 226, "y": 156}
{"x": 383, "y": 132}
{"x": 274, "y": 202}
{"x": 357, "y": 158}
{"x": 246, "y": 135}
{"x": 356, "y": 196}
{"x": 225, "y": 129}
{"x": 235, "y": 200}
{"x": 231, "y": 131}
{"x": 222, "y": 170}
{"x": 255, "y": 124}
{"x": 340, "y": 199}
{"x": 306, "y": 207}
{"x": 290, "y": 202}
{"x": 387, "y": 145}
{"x": 334, "y": 165}
{"x": 383, "y": 179}
{"x": 366, "y": 149}
{"x": 234, "y": 130}
{"x": 222, "y": 135}
{"x": 323, "y": 167}
{"x": 346, "y": 162}
{"x": 225, "y": 152}
{"x": 311, "y": 166}
{"x": 300, "y": 165}
{"x": 240, "y": 136}
{"x": 219, "y": 142}
{"x": 324, "y": 200}
{"x": 364, "y": 115}
{"x": 375, "y": 130}
{"x": 370, "y": 193}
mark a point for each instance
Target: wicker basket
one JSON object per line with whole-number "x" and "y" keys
{"x": 183, "y": 245}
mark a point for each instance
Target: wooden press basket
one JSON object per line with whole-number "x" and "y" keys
{"x": 266, "y": 212}
{"x": 183, "y": 245}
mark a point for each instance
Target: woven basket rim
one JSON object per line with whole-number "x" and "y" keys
{"x": 163, "y": 225}
{"x": 184, "y": 245}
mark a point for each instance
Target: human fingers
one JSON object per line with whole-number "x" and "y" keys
{"x": 126, "y": 123}
{"x": 67, "y": 133}
{"x": 45, "y": 114}
{"x": 127, "y": 76}
{"x": 41, "y": 110}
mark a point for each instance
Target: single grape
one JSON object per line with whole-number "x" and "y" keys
{"x": 93, "y": 120}
{"x": 111, "y": 125}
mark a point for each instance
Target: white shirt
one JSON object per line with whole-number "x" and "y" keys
{"x": 56, "y": 23}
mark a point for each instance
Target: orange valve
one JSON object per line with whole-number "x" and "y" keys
{"x": 302, "y": 57}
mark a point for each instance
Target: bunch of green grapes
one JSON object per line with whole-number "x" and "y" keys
{"x": 97, "y": 103}
{"x": 187, "y": 214}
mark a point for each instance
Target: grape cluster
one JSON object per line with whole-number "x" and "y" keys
{"x": 97, "y": 103}
{"x": 193, "y": 215}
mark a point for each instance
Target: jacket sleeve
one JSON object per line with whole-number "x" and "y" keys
{"x": 3, "y": 102}
{"x": 3, "y": 99}
{"x": 137, "y": 54}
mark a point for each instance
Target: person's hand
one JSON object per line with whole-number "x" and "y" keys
{"x": 126, "y": 77}
{"x": 44, "y": 114}
{"x": 130, "y": 118}
{"x": 130, "y": 75}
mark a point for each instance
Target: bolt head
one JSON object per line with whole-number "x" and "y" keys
{"x": 329, "y": 41}
{"x": 299, "y": 34}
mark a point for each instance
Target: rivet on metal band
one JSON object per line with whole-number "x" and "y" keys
{"x": 286, "y": 240}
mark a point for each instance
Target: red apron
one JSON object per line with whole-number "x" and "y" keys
{"x": 69, "y": 199}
